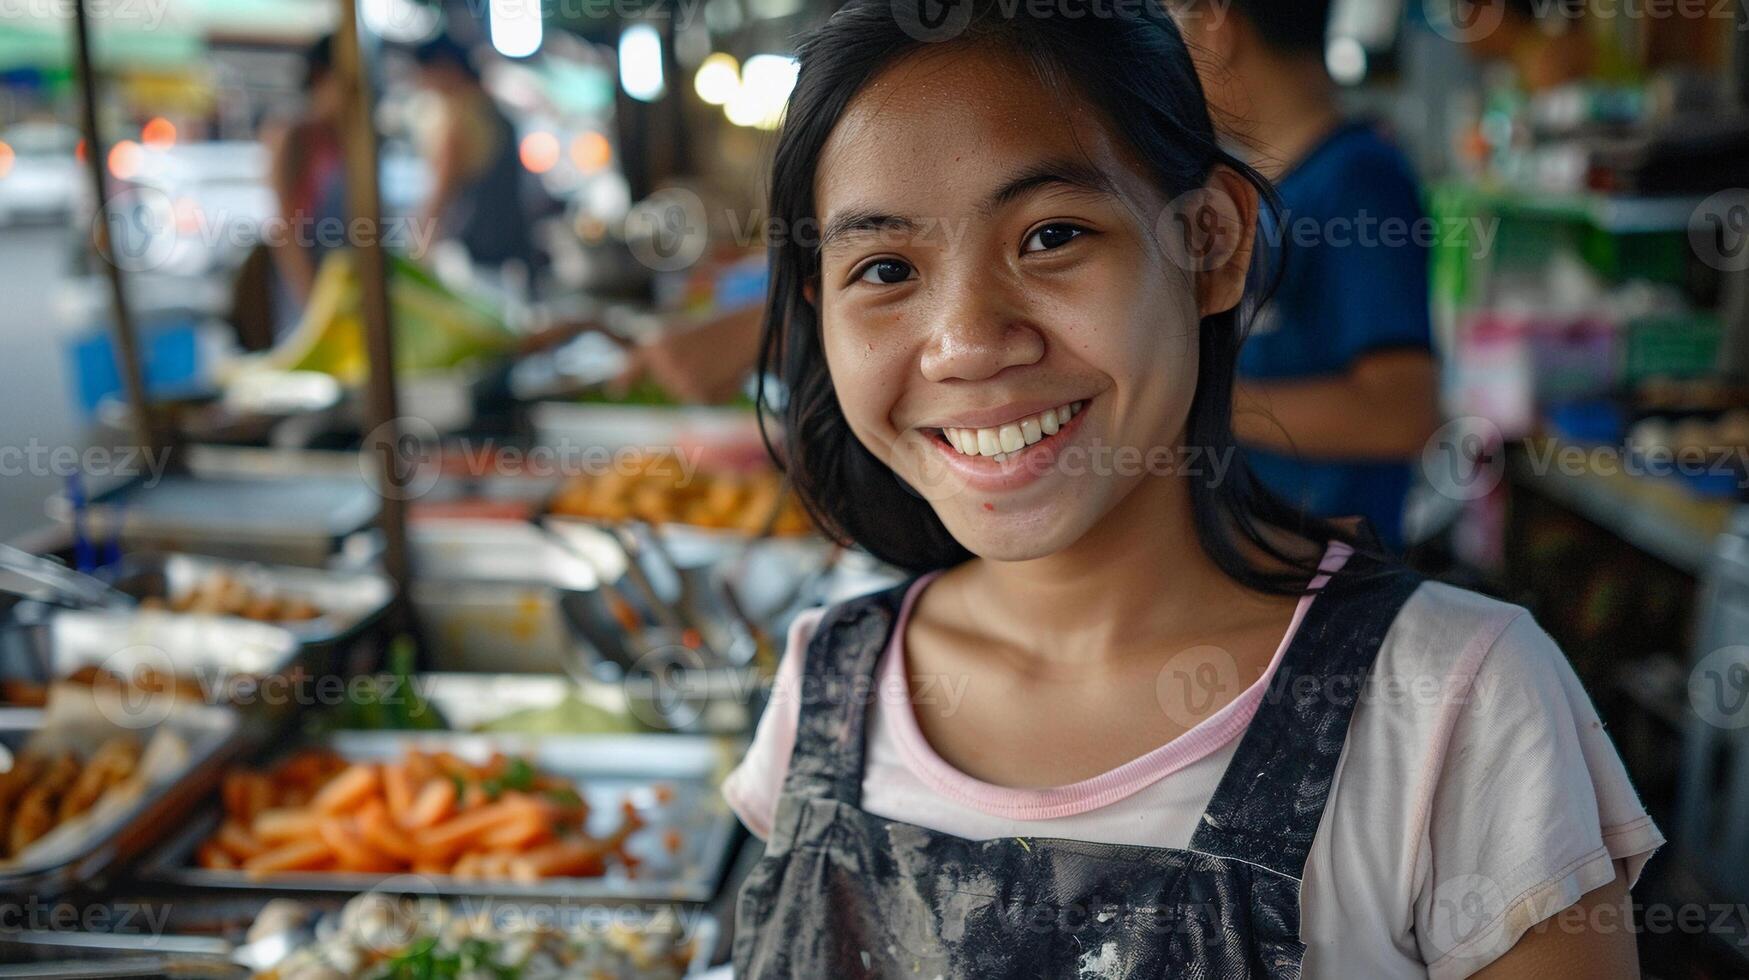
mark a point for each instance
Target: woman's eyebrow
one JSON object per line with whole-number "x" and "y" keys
{"x": 1071, "y": 174}
{"x": 863, "y": 220}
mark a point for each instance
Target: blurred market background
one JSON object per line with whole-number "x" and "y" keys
{"x": 554, "y": 523}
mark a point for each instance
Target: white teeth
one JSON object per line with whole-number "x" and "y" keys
{"x": 1003, "y": 442}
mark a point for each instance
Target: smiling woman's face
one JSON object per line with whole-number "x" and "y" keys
{"x": 999, "y": 313}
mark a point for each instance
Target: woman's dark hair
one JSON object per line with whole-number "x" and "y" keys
{"x": 1133, "y": 67}
{"x": 1289, "y": 26}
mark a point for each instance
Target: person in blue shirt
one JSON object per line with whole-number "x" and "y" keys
{"x": 1337, "y": 391}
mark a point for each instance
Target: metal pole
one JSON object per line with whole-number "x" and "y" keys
{"x": 383, "y": 441}
{"x": 127, "y": 350}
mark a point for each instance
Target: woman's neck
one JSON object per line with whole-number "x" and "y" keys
{"x": 1139, "y": 579}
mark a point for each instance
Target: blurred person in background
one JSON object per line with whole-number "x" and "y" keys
{"x": 1338, "y": 383}
{"x": 699, "y": 360}
{"x": 476, "y": 192}
{"x": 307, "y": 171}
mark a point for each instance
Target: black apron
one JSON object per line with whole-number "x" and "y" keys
{"x": 842, "y": 893}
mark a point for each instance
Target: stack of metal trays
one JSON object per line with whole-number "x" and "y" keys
{"x": 238, "y": 504}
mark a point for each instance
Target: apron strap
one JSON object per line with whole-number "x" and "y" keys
{"x": 1269, "y": 803}
{"x": 838, "y": 682}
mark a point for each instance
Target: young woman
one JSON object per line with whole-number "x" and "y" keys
{"x": 1134, "y": 717}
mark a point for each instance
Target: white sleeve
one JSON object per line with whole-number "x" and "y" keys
{"x": 752, "y": 788}
{"x": 1530, "y": 811}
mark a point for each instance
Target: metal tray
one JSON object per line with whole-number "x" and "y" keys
{"x": 721, "y": 702}
{"x": 349, "y": 601}
{"x": 78, "y": 955}
{"x": 493, "y": 595}
{"x": 215, "y": 651}
{"x": 213, "y": 735}
{"x": 468, "y": 701}
{"x": 284, "y": 508}
{"x": 570, "y": 427}
{"x": 69, "y": 954}
{"x": 609, "y": 768}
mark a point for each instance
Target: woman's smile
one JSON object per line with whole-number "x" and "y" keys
{"x": 1010, "y": 454}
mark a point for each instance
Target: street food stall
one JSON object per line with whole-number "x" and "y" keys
{"x": 461, "y": 695}
{"x": 409, "y": 626}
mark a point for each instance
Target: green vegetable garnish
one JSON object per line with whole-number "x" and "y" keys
{"x": 518, "y": 775}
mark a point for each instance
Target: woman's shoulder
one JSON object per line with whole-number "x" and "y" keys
{"x": 1442, "y": 609}
{"x": 1463, "y": 673}
{"x": 1447, "y": 642}
{"x": 1478, "y": 756}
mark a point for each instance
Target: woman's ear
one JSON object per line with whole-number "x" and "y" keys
{"x": 811, "y": 293}
{"x": 1211, "y": 232}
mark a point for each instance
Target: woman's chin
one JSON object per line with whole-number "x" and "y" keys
{"x": 1017, "y": 536}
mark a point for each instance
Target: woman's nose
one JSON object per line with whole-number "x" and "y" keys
{"x": 977, "y": 336}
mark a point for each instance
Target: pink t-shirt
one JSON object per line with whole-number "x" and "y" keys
{"x": 1477, "y": 795}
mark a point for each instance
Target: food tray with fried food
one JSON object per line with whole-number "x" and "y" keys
{"x": 202, "y": 657}
{"x": 91, "y": 779}
{"x": 670, "y": 488}
{"x": 629, "y": 818}
{"x": 317, "y": 606}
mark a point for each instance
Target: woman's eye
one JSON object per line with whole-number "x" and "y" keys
{"x": 886, "y": 272}
{"x": 1052, "y": 236}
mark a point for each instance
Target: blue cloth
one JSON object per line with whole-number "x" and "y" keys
{"x": 1353, "y": 250}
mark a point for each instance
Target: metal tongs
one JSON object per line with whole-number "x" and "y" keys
{"x": 54, "y": 583}
{"x": 672, "y": 616}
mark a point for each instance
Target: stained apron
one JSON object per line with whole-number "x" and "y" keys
{"x": 843, "y": 893}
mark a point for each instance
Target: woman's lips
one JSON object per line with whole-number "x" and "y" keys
{"x": 1010, "y": 469}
